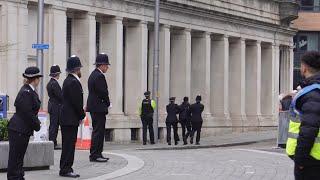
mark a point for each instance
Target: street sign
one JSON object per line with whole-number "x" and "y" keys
{"x": 40, "y": 46}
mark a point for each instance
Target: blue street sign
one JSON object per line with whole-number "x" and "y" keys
{"x": 40, "y": 46}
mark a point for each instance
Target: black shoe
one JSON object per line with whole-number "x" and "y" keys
{"x": 100, "y": 160}
{"x": 70, "y": 175}
{"x": 191, "y": 141}
{"x": 105, "y": 158}
{"x": 144, "y": 143}
{"x": 197, "y": 143}
{"x": 57, "y": 147}
{"x": 152, "y": 143}
{"x": 169, "y": 144}
{"x": 185, "y": 143}
{"x": 176, "y": 143}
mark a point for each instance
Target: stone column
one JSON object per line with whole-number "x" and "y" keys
{"x": 180, "y": 74}
{"x": 200, "y": 68}
{"x": 135, "y": 65}
{"x": 276, "y": 62}
{"x": 111, "y": 43}
{"x": 84, "y": 44}
{"x": 291, "y": 66}
{"x": 14, "y": 33}
{"x": 267, "y": 77}
{"x": 220, "y": 77}
{"x": 253, "y": 83}
{"x": 237, "y": 82}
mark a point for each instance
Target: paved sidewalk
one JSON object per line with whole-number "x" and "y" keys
{"x": 219, "y": 141}
{"x": 82, "y": 166}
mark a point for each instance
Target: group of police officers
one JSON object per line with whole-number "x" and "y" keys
{"x": 190, "y": 118}
{"x": 67, "y": 110}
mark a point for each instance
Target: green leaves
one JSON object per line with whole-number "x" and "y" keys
{"x": 4, "y": 129}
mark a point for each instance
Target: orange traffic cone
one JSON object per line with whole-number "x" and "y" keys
{"x": 86, "y": 135}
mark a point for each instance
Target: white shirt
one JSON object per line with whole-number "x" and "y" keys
{"x": 76, "y": 76}
{"x": 100, "y": 70}
{"x": 32, "y": 87}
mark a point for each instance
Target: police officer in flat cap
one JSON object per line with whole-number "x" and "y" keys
{"x": 72, "y": 114}
{"x": 196, "y": 110}
{"x": 54, "y": 104}
{"x": 98, "y": 104}
{"x": 172, "y": 121}
{"x": 146, "y": 111}
{"x": 24, "y": 122}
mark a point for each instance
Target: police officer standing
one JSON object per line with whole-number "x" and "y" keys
{"x": 185, "y": 119}
{"x": 23, "y": 122}
{"x": 303, "y": 144}
{"x": 54, "y": 104}
{"x": 98, "y": 104}
{"x": 172, "y": 121}
{"x": 196, "y": 119}
{"x": 146, "y": 111}
{"x": 72, "y": 114}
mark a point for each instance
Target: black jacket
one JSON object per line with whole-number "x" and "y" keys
{"x": 55, "y": 96}
{"x": 184, "y": 112}
{"x": 309, "y": 106}
{"x": 72, "y": 106}
{"x": 98, "y": 99}
{"x": 27, "y": 104}
{"x": 172, "y": 111}
{"x": 196, "y": 112}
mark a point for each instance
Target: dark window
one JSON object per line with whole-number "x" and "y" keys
{"x": 109, "y": 135}
{"x": 134, "y": 134}
{"x": 309, "y": 5}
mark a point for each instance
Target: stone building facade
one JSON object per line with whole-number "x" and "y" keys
{"x": 237, "y": 54}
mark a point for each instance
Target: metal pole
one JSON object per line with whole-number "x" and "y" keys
{"x": 155, "y": 89}
{"x": 40, "y": 33}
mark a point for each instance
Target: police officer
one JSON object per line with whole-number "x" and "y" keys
{"x": 185, "y": 119}
{"x": 98, "y": 104}
{"x": 23, "y": 122}
{"x": 146, "y": 111}
{"x": 72, "y": 114}
{"x": 196, "y": 119}
{"x": 303, "y": 144}
{"x": 172, "y": 121}
{"x": 54, "y": 104}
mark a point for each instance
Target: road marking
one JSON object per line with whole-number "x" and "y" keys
{"x": 134, "y": 164}
{"x": 261, "y": 152}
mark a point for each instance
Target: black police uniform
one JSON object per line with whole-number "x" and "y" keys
{"x": 172, "y": 121}
{"x": 196, "y": 120}
{"x": 22, "y": 125}
{"x": 147, "y": 119}
{"x": 71, "y": 114}
{"x": 54, "y": 104}
{"x": 97, "y": 104}
{"x": 185, "y": 120}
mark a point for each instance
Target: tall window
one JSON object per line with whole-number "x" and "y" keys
{"x": 310, "y": 5}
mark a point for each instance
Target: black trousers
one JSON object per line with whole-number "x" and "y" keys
{"x": 18, "y": 144}
{"x": 147, "y": 123}
{"x": 174, "y": 125}
{"x": 97, "y": 139}
{"x": 307, "y": 173}
{"x": 54, "y": 123}
{"x": 69, "y": 138}
{"x": 196, "y": 127}
{"x": 186, "y": 129}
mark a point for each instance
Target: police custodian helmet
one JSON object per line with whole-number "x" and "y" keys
{"x": 32, "y": 72}
{"x": 73, "y": 63}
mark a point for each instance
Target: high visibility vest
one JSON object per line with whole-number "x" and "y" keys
{"x": 294, "y": 126}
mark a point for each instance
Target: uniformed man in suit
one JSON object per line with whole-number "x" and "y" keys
{"x": 172, "y": 121}
{"x": 23, "y": 122}
{"x": 146, "y": 111}
{"x": 185, "y": 119}
{"x": 196, "y": 119}
{"x": 54, "y": 104}
{"x": 98, "y": 104}
{"x": 72, "y": 114}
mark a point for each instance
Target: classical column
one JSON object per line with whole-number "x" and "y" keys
{"x": 111, "y": 43}
{"x": 267, "y": 77}
{"x": 180, "y": 74}
{"x": 135, "y": 65}
{"x": 253, "y": 82}
{"x": 84, "y": 44}
{"x": 276, "y": 77}
{"x": 220, "y": 77}
{"x": 200, "y": 68}
{"x": 14, "y": 34}
{"x": 291, "y": 66}
{"x": 237, "y": 68}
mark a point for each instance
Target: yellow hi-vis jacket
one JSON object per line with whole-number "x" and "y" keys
{"x": 294, "y": 126}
